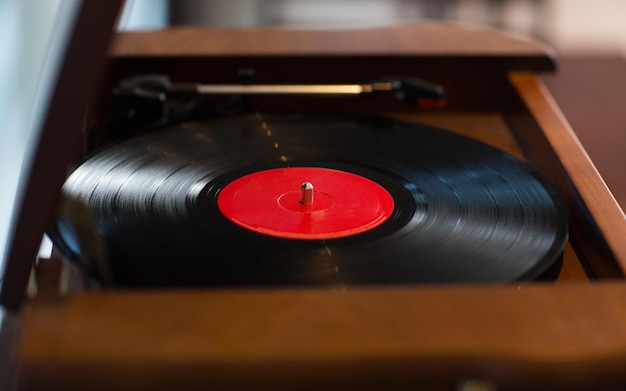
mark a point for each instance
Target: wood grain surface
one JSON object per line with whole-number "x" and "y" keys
{"x": 602, "y": 207}
{"x": 417, "y": 38}
{"x": 517, "y": 336}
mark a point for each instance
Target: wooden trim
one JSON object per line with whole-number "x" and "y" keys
{"x": 423, "y": 39}
{"x": 603, "y": 210}
{"x": 537, "y": 336}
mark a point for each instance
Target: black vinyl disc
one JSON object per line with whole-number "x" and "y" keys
{"x": 463, "y": 211}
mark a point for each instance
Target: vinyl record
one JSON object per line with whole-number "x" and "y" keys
{"x": 207, "y": 203}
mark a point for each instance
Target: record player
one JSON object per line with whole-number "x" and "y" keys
{"x": 559, "y": 325}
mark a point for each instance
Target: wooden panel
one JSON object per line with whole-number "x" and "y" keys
{"x": 425, "y": 38}
{"x": 598, "y": 223}
{"x": 519, "y": 336}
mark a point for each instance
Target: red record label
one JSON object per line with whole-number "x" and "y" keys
{"x": 274, "y": 202}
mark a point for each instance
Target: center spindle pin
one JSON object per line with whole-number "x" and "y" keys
{"x": 306, "y": 193}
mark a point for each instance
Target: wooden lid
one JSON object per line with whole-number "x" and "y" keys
{"x": 426, "y": 39}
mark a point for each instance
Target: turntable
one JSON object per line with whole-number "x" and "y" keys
{"x": 326, "y": 242}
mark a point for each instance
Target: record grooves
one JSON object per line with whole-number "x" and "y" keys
{"x": 462, "y": 211}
